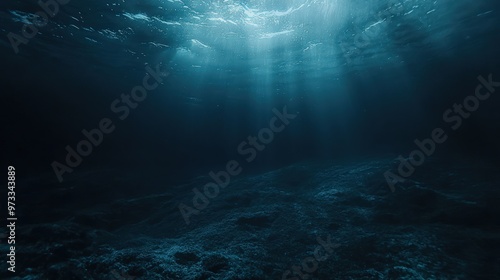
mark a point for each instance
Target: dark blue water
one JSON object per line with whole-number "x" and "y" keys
{"x": 300, "y": 139}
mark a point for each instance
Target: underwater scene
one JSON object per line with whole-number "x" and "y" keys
{"x": 250, "y": 139}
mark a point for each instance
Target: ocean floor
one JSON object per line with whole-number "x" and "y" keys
{"x": 310, "y": 220}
